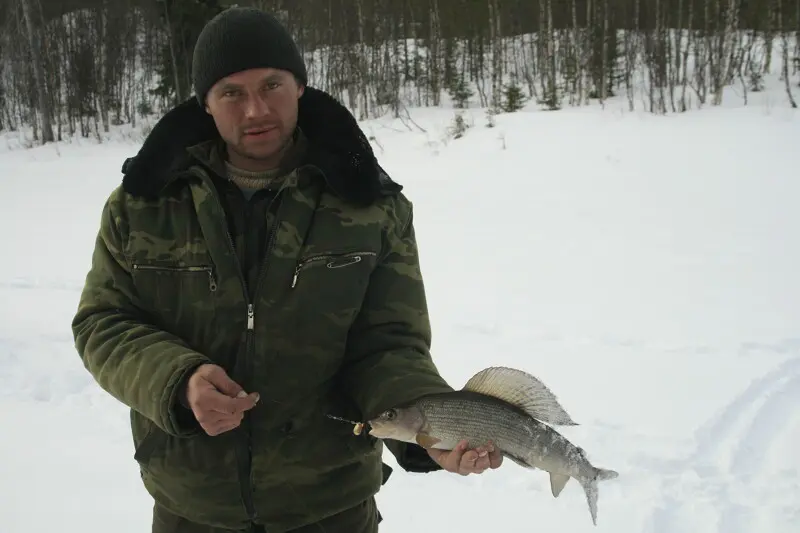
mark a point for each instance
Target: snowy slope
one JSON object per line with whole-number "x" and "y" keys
{"x": 643, "y": 267}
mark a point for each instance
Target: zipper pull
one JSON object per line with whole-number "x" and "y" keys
{"x": 294, "y": 279}
{"x": 212, "y": 283}
{"x": 250, "y": 317}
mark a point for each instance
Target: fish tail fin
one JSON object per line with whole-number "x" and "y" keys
{"x": 590, "y": 488}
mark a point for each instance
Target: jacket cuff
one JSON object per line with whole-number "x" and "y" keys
{"x": 414, "y": 458}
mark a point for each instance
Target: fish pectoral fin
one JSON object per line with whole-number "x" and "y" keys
{"x": 521, "y": 390}
{"x": 557, "y": 483}
{"x": 426, "y": 441}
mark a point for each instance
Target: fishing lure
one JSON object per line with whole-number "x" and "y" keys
{"x": 358, "y": 427}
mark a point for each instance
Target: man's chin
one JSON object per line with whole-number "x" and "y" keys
{"x": 264, "y": 153}
{"x": 263, "y": 147}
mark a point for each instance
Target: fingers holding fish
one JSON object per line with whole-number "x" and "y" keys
{"x": 464, "y": 461}
{"x": 480, "y": 459}
{"x": 494, "y": 455}
{"x": 474, "y": 462}
{"x": 470, "y": 461}
{"x": 449, "y": 460}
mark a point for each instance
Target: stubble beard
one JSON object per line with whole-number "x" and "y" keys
{"x": 273, "y": 157}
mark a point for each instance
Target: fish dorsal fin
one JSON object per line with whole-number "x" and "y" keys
{"x": 521, "y": 390}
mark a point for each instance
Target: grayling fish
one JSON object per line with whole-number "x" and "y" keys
{"x": 509, "y": 408}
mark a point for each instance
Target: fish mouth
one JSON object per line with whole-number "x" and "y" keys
{"x": 374, "y": 430}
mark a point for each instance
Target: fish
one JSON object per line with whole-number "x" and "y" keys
{"x": 509, "y": 408}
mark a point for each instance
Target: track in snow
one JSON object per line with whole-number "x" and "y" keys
{"x": 717, "y": 486}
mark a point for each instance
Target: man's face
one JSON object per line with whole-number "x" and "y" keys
{"x": 256, "y": 113}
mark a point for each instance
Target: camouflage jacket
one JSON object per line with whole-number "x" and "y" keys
{"x": 337, "y": 325}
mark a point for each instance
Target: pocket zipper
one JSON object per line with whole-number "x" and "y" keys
{"x": 334, "y": 261}
{"x": 212, "y": 281}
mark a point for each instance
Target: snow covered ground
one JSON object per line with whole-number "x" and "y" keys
{"x": 644, "y": 267}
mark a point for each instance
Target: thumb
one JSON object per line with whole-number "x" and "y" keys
{"x": 219, "y": 378}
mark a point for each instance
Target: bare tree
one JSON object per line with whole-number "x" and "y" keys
{"x": 785, "y": 57}
{"x": 37, "y": 61}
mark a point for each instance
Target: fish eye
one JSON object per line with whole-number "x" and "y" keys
{"x": 391, "y": 414}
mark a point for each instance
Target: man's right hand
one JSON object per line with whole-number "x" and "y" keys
{"x": 218, "y": 402}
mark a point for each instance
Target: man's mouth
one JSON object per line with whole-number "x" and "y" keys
{"x": 259, "y": 131}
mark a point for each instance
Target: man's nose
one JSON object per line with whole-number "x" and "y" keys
{"x": 256, "y": 106}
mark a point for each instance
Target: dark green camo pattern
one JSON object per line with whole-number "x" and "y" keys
{"x": 338, "y": 326}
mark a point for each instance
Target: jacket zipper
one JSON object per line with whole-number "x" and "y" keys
{"x": 244, "y": 448}
{"x": 270, "y": 237}
{"x": 247, "y": 468}
{"x": 212, "y": 281}
{"x": 245, "y": 454}
{"x": 352, "y": 257}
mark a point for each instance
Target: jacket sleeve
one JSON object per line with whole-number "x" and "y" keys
{"x": 137, "y": 363}
{"x": 388, "y": 360}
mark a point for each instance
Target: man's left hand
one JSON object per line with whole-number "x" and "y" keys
{"x": 463, "y": 461}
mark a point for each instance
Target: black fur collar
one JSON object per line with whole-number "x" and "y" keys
{"x": 336, "y": 145}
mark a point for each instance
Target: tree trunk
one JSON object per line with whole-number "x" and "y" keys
{"x": 37, "y": 61}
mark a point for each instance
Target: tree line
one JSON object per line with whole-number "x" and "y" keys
{"x": 79, "y": 67}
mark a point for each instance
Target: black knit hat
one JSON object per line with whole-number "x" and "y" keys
{"x": 242, "y": 38}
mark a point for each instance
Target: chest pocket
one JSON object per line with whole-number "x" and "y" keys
{"x": 329, "y": 287}
{"x": 180, "y": 297}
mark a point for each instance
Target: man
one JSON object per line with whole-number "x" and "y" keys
{"x": 256, "y": 272}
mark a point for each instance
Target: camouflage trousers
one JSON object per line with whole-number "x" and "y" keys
{"x": 363, "y": 518}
